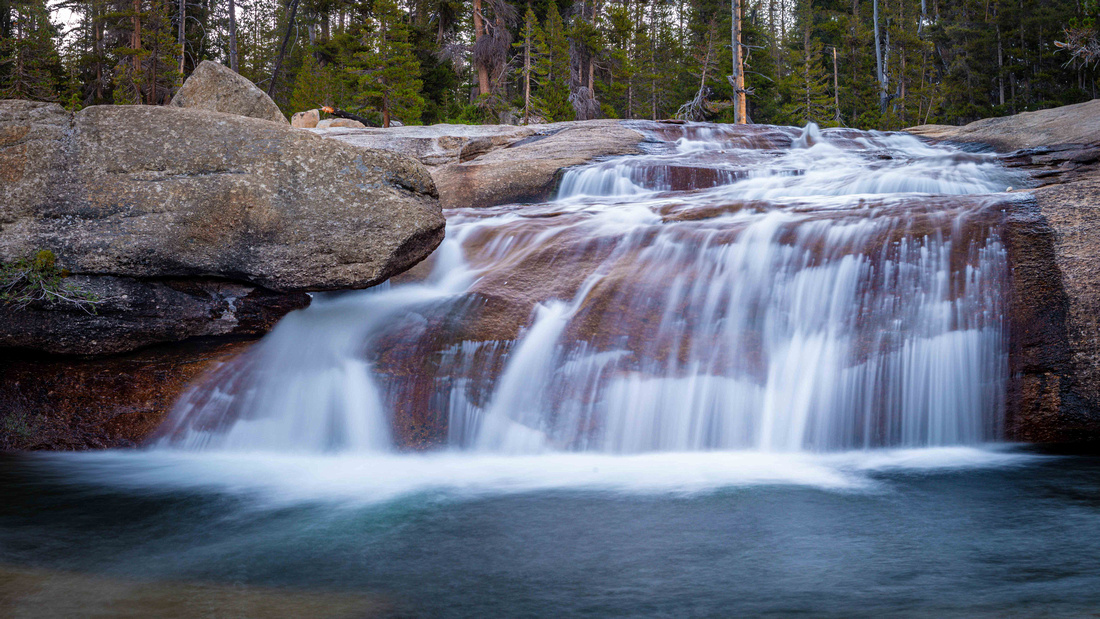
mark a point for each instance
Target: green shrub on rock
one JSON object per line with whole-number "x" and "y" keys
{"x": 38, "y": 280}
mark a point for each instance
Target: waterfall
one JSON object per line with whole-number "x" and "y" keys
{"x": 761, "y": 288}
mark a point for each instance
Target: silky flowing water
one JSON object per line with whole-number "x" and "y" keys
{"x": 753, "y": 371}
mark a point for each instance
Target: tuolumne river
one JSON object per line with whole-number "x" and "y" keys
{"x": 756, "y": 371}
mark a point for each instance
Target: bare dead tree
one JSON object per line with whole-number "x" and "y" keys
{"x": 1082, "y": 44}
{"x": 292, "y": 11}
{"x": 492, "y": 48}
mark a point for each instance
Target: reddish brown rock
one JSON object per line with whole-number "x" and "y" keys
{"x": 66, "y": 403}
{"x": 1053, "y": 241}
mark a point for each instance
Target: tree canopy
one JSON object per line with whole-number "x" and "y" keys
{"x": 881, "y": 64}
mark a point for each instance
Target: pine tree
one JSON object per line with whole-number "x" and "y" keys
{"x": 552, "y": 67}
{"x": 617, "y": 92}
{"x": 389, "y": 72}
{"x": 314, "y": 87}
{"x": 809, "y": 99}
{"x": 29, "y": 61}
{"x": 146, "y": 69}
{"x": 529, "y": 48}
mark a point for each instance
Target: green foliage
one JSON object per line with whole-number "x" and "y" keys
{"x": 552, "y": 69}
{"x": 961, "y": 60}
{"x": 37, "y": 279}
{"x": 30, "y": 66}
{"x": 805, "y": 89}
{"x": 388, "y": 71}
{"x": 315, "y": 86}
{"x": 146, "y": 70}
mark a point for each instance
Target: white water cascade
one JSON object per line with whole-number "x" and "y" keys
{"x": 762, "y": 288}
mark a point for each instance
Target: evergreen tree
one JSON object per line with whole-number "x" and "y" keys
{"x": 806, "y": 87}
{"x": 29, "y": 61}
{"x": 314, "y": 87}
{"x": 616, "y": 91}
{"x": 529, "y": 46}
{"x": 552, "y": 67}
{"x": 389, "y": 75}
{"x": 146, "y": 58}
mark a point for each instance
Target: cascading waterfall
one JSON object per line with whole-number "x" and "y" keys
{"x": 734, "y": 288}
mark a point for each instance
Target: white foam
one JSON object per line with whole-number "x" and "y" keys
{"x": 280, "y": 479}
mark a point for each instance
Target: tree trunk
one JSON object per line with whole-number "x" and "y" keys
{"x": 5, "y": 19}
{"x": 836, "y": 87}
{"x": 527, "y": 71}
{"x": 98, "y": 26}
{"x": 292, "y": 11}
{"x": 653, "y": 63}
{"x": 881, "y": 76}
{"x": 181, "y": 17}
{"x": 479, "y": 31}
{"x": 233, "y": 62}
{"x": 740, "y": 114}
{"x": 135, "y": 37}
{"x": 1000, "y": 68}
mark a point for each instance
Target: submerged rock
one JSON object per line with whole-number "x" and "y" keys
{"x": 218, "y": 88}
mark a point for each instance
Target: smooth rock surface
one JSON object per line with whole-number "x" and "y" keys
{"x": 1069, "y": 124}
{"x": 305, "y": 120}
{"x": 340, "y": 123}
{"x": 217, "y": 88}
{"x": 529, "y": 171}
{"x": 137, "y": 191}
{"x": 187, "y": 221}
{"x": 432, "y": 145}
{"x": 488, "y": 165}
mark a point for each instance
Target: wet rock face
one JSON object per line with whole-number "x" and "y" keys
{"x": 1056, "y": 315}
{"x": 1054, "y": 254}
{"x": 217, "y": 88}
{"x": 60, "y": 403}
{"x": 132, "y": 314}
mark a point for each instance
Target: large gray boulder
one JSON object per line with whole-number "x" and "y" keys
{"x": 159, "y": 205}
{"x": 218, "y": 88}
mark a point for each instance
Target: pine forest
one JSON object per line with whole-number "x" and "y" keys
{"x": 883, "y": 64}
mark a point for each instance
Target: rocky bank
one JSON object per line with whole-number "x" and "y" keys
{"x": 1054, "y": 250}
{"x": 486, "y": 165}
{"x": 192, "y": 230}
